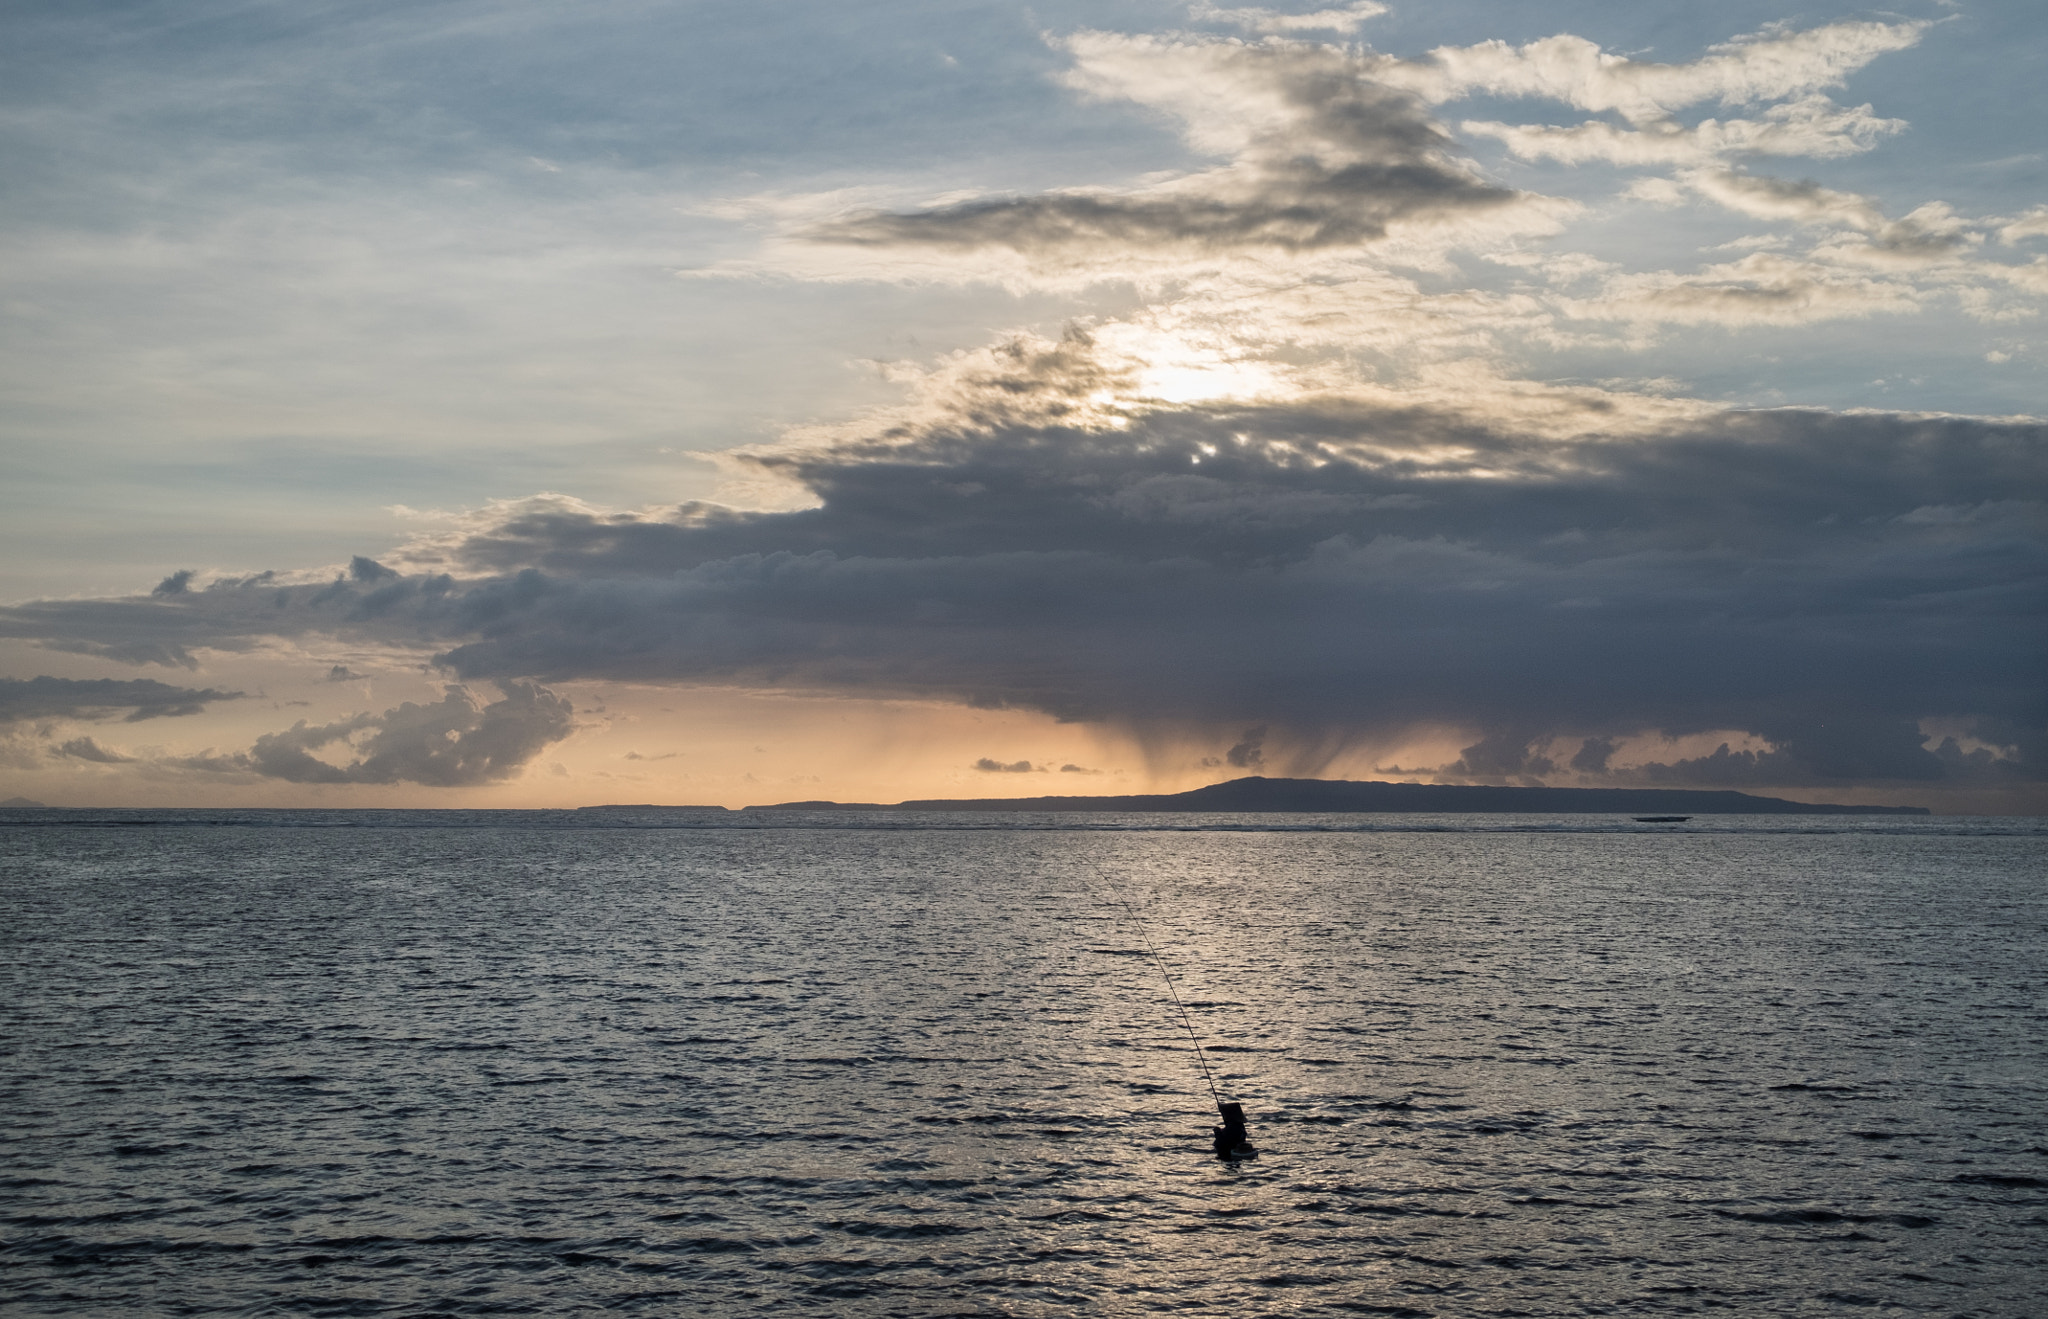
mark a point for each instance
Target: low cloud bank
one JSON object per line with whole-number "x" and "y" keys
{"x": 1290, "y": 580}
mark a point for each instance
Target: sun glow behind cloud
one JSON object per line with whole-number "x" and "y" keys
{"x": 1178, "y": 372}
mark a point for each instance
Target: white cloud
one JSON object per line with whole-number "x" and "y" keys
{"x": 2033, "y": 277}
{"x": 1778, "y": 199}
{"x": 1274, "y": 272}
{"x": 1347, "y": 19}
{"x": 1929, "y": 235}
{"x": 1769, "y": 66}
{"x": 2034, "y": 224}
{"x": 1760, "y": 289}
{"x": 1657, "y": 192}
{"x": 1813, "y": 126}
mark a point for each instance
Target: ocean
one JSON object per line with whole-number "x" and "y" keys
{"x": 670, "y": 1063}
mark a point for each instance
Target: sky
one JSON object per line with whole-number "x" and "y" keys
{"x": 518, "y": 404}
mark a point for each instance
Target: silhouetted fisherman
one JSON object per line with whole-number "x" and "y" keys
{"x": 1232, "y": 1133}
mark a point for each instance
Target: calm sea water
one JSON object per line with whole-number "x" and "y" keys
{"x": 376, "y": 1063}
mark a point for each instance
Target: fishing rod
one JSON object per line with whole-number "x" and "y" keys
{"x": 1232, "y": 1133}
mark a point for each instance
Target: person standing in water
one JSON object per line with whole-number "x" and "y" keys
{"x": 1232, "y": 1133}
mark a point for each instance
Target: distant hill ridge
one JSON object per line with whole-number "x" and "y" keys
{"x": 1257, "y": 793}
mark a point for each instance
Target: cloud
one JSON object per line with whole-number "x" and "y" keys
{"x": 1770, "y": 66}
{"x": 178, "y": 583}
{"x": 234, "y": 615}
{"x": 1321, "y": 573}
{"x": 363, "y": 569}
{"x": 1780, "y": 199}
{"x": 2034, "y": 224}
{"x": 1760, "y": 289}
{"x": 48, "y": 697}
{"x": 1249, "y": 752}
{"x": 1337, "y": 171}
{"x": 455, "y": 742}
{"x": 1504, "y": 753}
{"x": 1320, "y": 158}
{"x": 1728, "y": 575}
{"x": 1347, "y": 19}
{"x": 1278, "y": 268}
{"x": 84, "y": 748}
{"x": 2033, "y": 276}
{"x": 1932, "y": 234}
{"x": 1874, "y": 751}
{"x": 1332, "y": 571}
{"x": 1812, "y": 126}
{"x": 1864, "y": 263}
{"x": 137, "y": 653}
{"x": 988, "y": 765}
{"x": 1929, "y": 234}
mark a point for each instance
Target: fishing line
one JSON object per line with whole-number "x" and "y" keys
{"x": 1168, "y": 975}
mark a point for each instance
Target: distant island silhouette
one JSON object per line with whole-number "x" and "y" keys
{"x": 1258, "y": 793}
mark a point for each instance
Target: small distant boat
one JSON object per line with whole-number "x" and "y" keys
{"x": 1661, "y": 819}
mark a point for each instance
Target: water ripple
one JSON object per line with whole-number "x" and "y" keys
{"x": 542, "y": 1066}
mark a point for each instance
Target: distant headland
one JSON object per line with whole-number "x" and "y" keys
{"x": 1337, "y": 795}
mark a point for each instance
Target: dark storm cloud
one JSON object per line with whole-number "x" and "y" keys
{"x": 1319, "y": 573}
{"x": 454, "y": 742}
{"x": 1505, "y": 753}
{"x": 1821, "y": 581}
{"x": 1250, "y": 751}
{"x": 100, "y": 698}
{"x": 1874, "y": 750}
{"x": 1593, "y": 755}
